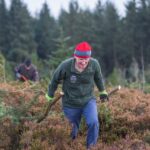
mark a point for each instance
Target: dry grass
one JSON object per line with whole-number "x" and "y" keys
{"x": 124, "y": 126}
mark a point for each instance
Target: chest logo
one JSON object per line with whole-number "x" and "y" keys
{"x": 73, "y": 79}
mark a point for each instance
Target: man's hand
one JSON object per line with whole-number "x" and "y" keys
{"x": 48, "y": 98}
{"x": 18, "y": 75}
{"x": 104, "y": 96}
{"x": 21, "y": 77}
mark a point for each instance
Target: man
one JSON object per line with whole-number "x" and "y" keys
{"x": 79, "y": 75}
{"x": 26, "y": 71}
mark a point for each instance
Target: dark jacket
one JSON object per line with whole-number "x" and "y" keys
{"x": 78, "y": 87}
{"x": 29, "y": 74}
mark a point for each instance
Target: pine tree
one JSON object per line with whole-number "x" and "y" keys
{"x": 111, "y": 20}
{"x": 3, "y": 26}
{"x": 98, "y": 30}
{"x": 85, "y": 26}
{"x": 106, "y": 22}
{"x": 128, "y": 35}
{"x": 21, "y": 40}
{"x": 69, "y": 22}
{"x": 143, "y": 32}
{"x": 63, "y": 51}
{"x": 46, "y": 32}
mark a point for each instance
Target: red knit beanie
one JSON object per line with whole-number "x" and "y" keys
{"x": 83, "y": 50}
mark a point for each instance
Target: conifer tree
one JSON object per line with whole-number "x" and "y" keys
{"x": 85, "y": 26}
{"x": 21, "y": 39}
{"x": 143, "y": 32}
{"x": 69, "y": 22}
{"x": 128, "y": 37}
{"x": 3, "y": 26}
{"x": 46, "y": 32}
{"x": 106, "y": 22}
{"x": 98, "y": 30}
{"x": 63, "y": 50}
{"x": 111, "y": 20}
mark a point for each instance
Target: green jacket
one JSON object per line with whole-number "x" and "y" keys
{"x": 78, "y": 87}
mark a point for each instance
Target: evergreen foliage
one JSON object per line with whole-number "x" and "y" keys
{"x": 115, "y": 40}
{"x": 18, "y": 110}
{"x": 130, "y": 35}
{"x": 63, "y": 51}
{"x": 69, "y": 22}
{"x": 45, "y": 33}
{"x": 2, "y": 69}
{"x": 3, "y": 27}
{"x": 20, "y": 31}
{"x": 98, "y": 25}
{"x": 116, "y": 77}
{"x": 109, "y": 39}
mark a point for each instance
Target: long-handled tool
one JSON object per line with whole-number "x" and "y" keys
{"x": 59, "y": 96}
{"x": 49, "y": 107}
{"x": 23, "y": 78}
{"x": 114, "y": 90}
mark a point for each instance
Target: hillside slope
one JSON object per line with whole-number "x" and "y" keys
{"x": 124, "y": 120}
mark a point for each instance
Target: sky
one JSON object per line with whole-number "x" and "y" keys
{"x": 34, "y": 6}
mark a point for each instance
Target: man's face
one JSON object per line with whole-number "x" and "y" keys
{"x": 27, "y": 67}
{"x": 82, "y": 63}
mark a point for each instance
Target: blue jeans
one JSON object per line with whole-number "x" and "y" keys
{"x": 89, "y": 111}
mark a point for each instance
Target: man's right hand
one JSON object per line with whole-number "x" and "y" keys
{"x": 49, "y": 99}
{"x": 104, "y": 96}
{"x": 18, "y": 75}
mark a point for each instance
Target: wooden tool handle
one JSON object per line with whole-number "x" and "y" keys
{"x": 114, "y": 90}
{"x": 49, "y": 106}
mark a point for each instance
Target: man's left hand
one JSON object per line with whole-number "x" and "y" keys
{"x": 48, "y": 98}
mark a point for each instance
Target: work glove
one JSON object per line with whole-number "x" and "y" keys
{"x": 49, "y": 99}
{"x": 18, "y": 75}
{"x": 104, "y": 96}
